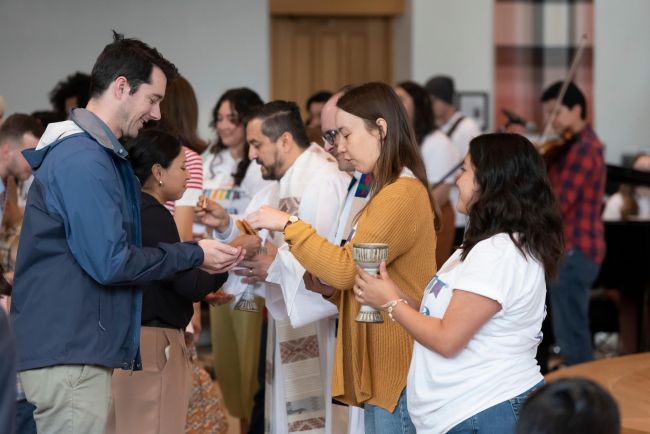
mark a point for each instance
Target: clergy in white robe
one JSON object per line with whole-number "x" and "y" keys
{"x": 300, "y": 344}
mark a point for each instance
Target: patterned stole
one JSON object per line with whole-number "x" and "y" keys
{"x": 300, "y": 359}
{"x": 301, "y": 372}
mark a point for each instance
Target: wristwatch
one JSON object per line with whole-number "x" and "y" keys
{"x": 292, "y": 219}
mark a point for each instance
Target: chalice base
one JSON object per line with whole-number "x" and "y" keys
{"x": 246, "y": 302}
{"x": 369, "y": 316}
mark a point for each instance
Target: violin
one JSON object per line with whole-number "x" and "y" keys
{"x": 556, "y": 147}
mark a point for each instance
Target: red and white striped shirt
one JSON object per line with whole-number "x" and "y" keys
{"x": 194, "y": 165}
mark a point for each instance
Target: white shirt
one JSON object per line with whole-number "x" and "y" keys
{"x": 614, "y": 204}
{"x": 440, "y": 156}
{"x": 466, "y": 130}
{"x": 499, "y": 362}
{"x": 218, "y": 183}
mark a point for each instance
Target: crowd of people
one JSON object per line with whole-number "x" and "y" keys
{"x": 132, "y": 220}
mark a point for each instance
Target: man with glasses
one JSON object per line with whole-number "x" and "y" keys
{"x": 355, "y": 200}
{"x": 359, "y": 184}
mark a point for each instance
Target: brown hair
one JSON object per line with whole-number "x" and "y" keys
{"x": 180, "y": 111}
{"x": 398, "y": 148}
{"x": 514, "y": 197}
{"x": 18, "y": 124}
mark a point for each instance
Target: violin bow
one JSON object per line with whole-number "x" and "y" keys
{"x": 563, "y": 89}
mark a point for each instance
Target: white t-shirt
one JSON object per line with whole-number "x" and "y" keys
{"x": 499, "y": 362}
{"x": 440, "y": 156}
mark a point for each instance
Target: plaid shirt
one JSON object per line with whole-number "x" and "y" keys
{"x": 578, "y": 180}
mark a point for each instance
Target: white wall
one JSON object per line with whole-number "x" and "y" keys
{"x": 454, "y": 38}
{"x": 622, "y": 76}
{"x": 216, "y": 44}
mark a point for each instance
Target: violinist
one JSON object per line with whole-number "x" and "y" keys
{"x": 576, "y": 169}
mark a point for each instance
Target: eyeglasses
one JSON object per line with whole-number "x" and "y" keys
{"x": 330, "y": 137}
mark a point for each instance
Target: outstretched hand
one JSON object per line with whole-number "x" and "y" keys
{"x": 314, "y": 284}
{"x": 268, "y": 218}
{"x": 217, "y": 298}
{"x": 250, "y": 243}
{"x": 211, "y": 214}
{"x": 220, "y": 257}
{"x": 375, "y": 291}
{"x": 254, "y": 270}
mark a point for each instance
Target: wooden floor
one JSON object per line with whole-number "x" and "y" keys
{"x": 627, "y": 378}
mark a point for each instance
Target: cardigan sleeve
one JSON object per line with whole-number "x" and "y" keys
{"x": 389, "y": 218}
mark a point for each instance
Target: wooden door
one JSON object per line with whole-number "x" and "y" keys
{"x": 309, "y": 54}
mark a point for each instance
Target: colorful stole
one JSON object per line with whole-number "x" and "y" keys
{"x": 299, "y": 349}
{"x": 359, "y": 200}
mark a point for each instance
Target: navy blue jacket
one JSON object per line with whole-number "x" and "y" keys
{"x": 76, "y": 296}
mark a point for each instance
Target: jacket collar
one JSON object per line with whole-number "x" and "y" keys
{"x": 98, "y": 130}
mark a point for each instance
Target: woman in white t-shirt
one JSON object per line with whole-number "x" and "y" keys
{"x": 231, "y": 179}
{"x": 228, "y": 175}
{"x": 479, "y": 323}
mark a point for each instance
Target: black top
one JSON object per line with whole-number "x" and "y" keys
{"x": 169, "y": 302}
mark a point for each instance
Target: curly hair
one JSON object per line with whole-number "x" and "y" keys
{"x": 514, "y": 197}
{"x": 76, "y": 85}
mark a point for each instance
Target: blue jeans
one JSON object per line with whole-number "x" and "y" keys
{"x": 379, "y": 421}
{"x": 25, "y": 417}
{"x": 498, "y": 419}
{"x": 569, "y": 296}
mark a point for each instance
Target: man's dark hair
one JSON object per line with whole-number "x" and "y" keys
{"x": 129, "y": 58}
{"x": 572, "y": 97}
{"x": 18, "y": 124}
{"x": 321, "y": 96}
{"x": 279, "y": 117}
{"x": 567, "y": 406}
{"x": 48, "y": 117}
{"x": 75, "y": 85}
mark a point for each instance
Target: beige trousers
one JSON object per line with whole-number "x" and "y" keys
{"x": 69, "y": 399}
{"x": 154, "y": 400}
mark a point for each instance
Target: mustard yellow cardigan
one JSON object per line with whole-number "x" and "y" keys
{"x": 371, "y": 361}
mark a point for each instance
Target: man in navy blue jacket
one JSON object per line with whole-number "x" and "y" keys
{"x": 80, "y": 265}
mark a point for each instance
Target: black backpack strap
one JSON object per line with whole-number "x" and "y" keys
{"x": 454, "y": 126}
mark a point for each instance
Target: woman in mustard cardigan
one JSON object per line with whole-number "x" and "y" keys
{"x": 371, "y": 361}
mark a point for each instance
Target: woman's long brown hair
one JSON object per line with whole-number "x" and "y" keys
{"x": 398, "y": 147}
{"x": 180, "y": 112}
